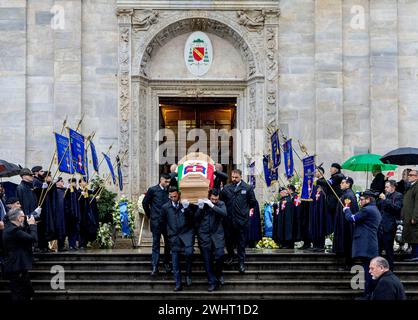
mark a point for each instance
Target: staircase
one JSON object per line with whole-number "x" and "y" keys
{"x": 271, "y": 274}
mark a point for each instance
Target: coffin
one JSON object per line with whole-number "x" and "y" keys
{"x": 195, "y": 172}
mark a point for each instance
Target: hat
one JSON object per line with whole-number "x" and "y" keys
{"x": 11, "y": 200}
{"x": 282, "y": 189}
{"x": 320, "y": 168}
{"x": 349, "y": 180}
{"x": 336, "y": 166}
{"x": 369, "y": 194}
{"x": 25, "y": 172}
{"x": 36, "y": 169}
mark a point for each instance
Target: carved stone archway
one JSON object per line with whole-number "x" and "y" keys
{"x": 144, "y": 32}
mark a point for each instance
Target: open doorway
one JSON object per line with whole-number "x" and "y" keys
{"x": 204, "y": 113}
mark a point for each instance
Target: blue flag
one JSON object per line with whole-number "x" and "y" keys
{"x": 308, "y": 177}
{"x": 251, "y": 176}
{"x": 94, "y": 157}
{"x": 77, "y": 151}
{"x": 275, "y": 149}
{"x": 120, "y": 178}
{"x": 267, "y": 173}
{"x": 268, "y": 220}
{"x": 288, "y": 158}
{"x": 63, "y": 153}
{"x": 124, "y": 218}
{"x": 109, "y": 164}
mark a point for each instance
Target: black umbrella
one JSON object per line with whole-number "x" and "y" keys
{"x": 8, "y": 169}
{"x": 401, "y": 156}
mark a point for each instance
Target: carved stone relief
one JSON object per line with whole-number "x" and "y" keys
{"x": 252, "y": 20}
{"x": 143, "y": 19}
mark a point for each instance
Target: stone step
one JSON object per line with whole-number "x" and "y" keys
{"x": 198, "y": 265}
{"x": 115, "y": 256}
{"x": 201, "y": 295}
{"x": 230, "y": 285}
{"x": 232, "y": 275}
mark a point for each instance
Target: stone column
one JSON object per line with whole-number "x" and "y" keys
{"x": 356, "y": 77}
{"x": 383, "y": 75}
{"x": 13, "y": 51}
{"x": 408, "y": 73}
{"x": 40, "y": 108}
{"x": 329, "y": 82}
{"x": 124, "y": 93}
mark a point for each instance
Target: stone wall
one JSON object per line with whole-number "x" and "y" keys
{"x": 344, "y": 87}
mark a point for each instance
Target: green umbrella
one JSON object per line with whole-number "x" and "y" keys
{"x": 366, "y": 162}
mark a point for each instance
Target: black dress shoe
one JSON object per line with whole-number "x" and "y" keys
{"x": 221, "y": 280}
{"x": 188, "y": 281}
{"x": 241, "y": 268}
{"x": 154, "y": 271}
{"x": 211, "y": 287}
{"x": 229, "y": 261}
{"x": 178, "y": 288}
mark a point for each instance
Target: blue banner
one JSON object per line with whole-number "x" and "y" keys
{"x": 77, "y": 151}
{"x": 251, "y": 176}
{"x": 308, "y": 177}
{"x": 94, "y": 157}
{"x": 63, "y": 153}
{"x": 120, "y": 178}
{"x": 288, "y": 158}
{"x": 268, "y": 220}
{"x": 275, "y": 150}
{"x": 124, "y": 218}
{"x": 109, "y": 164}
{"x": 267, "y": 173}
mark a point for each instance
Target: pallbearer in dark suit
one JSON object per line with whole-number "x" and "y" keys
{"x": 239, "y": 198}
{"x": 180, "y": 222}
{"x": 152, "y": 203}
{"x": 209, "y": 216}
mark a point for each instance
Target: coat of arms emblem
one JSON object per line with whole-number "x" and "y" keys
{"x": 198, "y": 53}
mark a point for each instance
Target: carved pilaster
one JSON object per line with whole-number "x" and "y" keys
{"x": 124, "y": 101}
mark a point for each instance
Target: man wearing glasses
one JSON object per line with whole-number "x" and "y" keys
{"x": 410, "y": 215}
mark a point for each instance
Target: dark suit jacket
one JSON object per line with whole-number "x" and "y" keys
{"x": 388, "y": 287}
{"x": 209, "y": 225}
{"x": 391, "y": 211}
{"x": 378, "y": 183}
{"x": 366, "y": 224}
{"x": 238, "y": 202}
{"x": 152, "y": 203}
{"x": 180, "y": 224}
{"x": 17, "y": 245}
{"x": 27, "y": 197}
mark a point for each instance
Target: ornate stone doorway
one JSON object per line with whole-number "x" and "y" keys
{"x": 151, "y": 66}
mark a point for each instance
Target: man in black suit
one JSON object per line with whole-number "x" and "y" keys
{"x": 18, "y": 259}
{"x": 152, "y": 203}
{"x": 390, "y": 206}
{"x": 180, "y": 221}
{"x": 211, "y": 236}
{"x": 378, "y": 183}
{"x": 388, "y": 286}
{"x": 239, "y": 198}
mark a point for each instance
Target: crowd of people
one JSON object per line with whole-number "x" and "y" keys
{"x": 41, "y": 213}
{"x": 42, "y": 216}
{"x": 362, "y": 228}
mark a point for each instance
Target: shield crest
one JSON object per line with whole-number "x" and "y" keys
{"x": 198, "y": 53}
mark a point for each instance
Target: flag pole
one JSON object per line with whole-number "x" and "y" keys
{"x": 303, "y": 149}
{"x": 56, "y": 171}
{"x": 53, "y": 157}
{"x": 99, "y": 191}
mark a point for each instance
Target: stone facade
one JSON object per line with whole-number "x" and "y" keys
{"x": 338, "y": 75}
